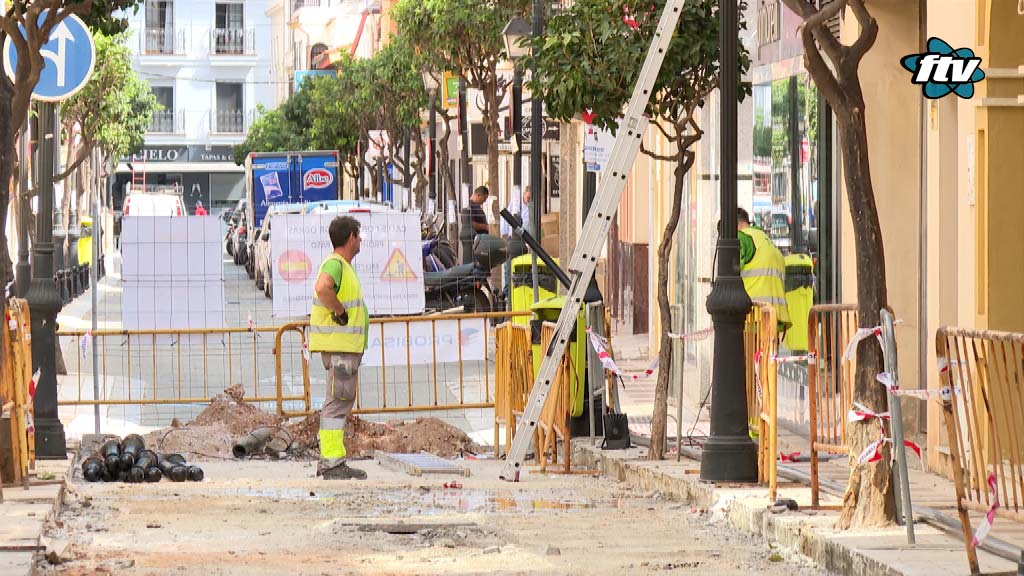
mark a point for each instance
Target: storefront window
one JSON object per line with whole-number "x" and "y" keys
{"x": 772, "y": 208}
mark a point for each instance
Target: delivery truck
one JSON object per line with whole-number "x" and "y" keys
{"x": 289, "y": 177}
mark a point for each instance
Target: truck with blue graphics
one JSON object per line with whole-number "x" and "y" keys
{"x": 289, "y": 178}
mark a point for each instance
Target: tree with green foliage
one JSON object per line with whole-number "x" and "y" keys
{"x": 107, "y": 16}
{"x": 111, "y": 113}
{"x": 465, "y": 36}
{"x": 401, "y": 98}
{"x": 590, "y": 59}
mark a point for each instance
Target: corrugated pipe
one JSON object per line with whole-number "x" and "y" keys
{"x": 129, "y": 461}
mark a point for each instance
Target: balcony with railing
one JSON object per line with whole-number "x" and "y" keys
{"x": 228, "y": 121}
{"x": 300, "y": 4}
{"x": 232, "y": 42}
{"x": 163, "y": 42}
{"x": 167, "y": 122}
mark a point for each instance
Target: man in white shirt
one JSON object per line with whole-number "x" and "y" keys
{"x": 520, "y": 206}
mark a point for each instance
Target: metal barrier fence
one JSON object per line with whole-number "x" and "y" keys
{"x": 554, "y": 418}
{"x": 830, "y": 382}
{"x": 15, "y": 395}
{"x": 762, "y": 347}
{"x": 414, "y": 364}
{"x": 982, "y": 374}
{"x": 513, "y": 378}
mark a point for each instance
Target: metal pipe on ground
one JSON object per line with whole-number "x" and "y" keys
{"x": 173, "y": 470}
{"x": 192, "y": 473}
{"x": 252, "y": 443}
{"x": 130, "y": 448}
{"x": 111, "y": 453}
{"x": 147, "y": 462}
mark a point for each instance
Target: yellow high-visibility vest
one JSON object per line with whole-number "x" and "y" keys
{"x": 325, "y": 335}
{"x": 764, "y": 276}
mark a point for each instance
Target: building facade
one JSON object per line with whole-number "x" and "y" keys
{"x": 210, "y": 65}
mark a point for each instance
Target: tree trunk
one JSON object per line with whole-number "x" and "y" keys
{"x": 659, "y": 418}
{"x": 870, "y": 498}
{"x": 8, "y": 155}
{"x": 491, "y": 126}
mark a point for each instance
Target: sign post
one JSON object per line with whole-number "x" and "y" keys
{"x": 69, "y": 56}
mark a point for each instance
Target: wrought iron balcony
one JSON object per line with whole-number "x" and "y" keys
{"x": 233, "y": 41}
{"x": 165, "y": 41}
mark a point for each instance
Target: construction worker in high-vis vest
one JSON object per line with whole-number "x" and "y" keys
{"x": 338, "y": 328}
{"x": 763, "y": 270}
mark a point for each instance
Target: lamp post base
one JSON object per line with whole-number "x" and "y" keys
{"x": 730, "y": 454}
{"x": 729, "y": 459}
{"x": 50, "y": 440}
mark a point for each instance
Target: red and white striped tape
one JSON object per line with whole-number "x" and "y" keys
{"x": 305, "y": 350}
{"x": 252, "y": 328}
{"x": 861, "y": 334}
{"x": 30, "y": 424}
{"x": 11, "y": 322}
{"x": 990, "y": 517}
{"x": 698, "y": 335}
{"x": 810, "y": 358}
{"x": 599, "y": 344}
{"x": 602, "y": 353}
{"x": 872, "y": 452}
{"x": 860, "y": 413}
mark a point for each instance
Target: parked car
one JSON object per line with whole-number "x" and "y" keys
{"x": 148, "y": 204}
{"x": 261, "y": 258}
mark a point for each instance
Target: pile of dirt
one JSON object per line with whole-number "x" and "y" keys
{"x": 229, "y": 417}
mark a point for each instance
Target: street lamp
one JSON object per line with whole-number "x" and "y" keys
{"x": 432, "y": 85}
{"x": 514, "y": 32}
{"x": 43, "y": 299}
{"x": 729, "y": 454}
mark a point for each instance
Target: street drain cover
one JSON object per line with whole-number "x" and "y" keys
{"x": 419, "y": 464}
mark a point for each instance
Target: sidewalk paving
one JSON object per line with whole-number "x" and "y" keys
{"x": 23, "y": 514}
{"x": 875, "y": 552}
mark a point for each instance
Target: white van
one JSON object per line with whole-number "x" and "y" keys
{"x": 142, "y": 204}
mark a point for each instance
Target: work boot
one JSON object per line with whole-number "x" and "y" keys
{"x": 342, "y": 472}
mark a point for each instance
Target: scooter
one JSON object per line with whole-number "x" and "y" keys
{"x": 468, "y": 285}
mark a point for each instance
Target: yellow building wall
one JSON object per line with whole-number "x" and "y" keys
{"x": 1000, "y": 168}
{"x": 892, "y": 113}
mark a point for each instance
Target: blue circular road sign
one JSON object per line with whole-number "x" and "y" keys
{"x": 68, "y": 59}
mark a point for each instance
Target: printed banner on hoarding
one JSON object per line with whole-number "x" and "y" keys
{"x": 450, "y": 340}
{"x": 389, "y": 264}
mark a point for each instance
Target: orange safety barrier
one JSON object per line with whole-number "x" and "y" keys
{"x": 982, "y": 375}
{"x": 554, "y": 417}
{"x": 513, "y": 378}
{"x": 829, "y": 382}
{"x": 15, "y": 400}
{"x": 169, "y": 367}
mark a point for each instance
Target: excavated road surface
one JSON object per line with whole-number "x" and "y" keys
{"x": 255, "y": 518}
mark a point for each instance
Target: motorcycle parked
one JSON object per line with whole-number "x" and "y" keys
{"x": 468, "y": 285}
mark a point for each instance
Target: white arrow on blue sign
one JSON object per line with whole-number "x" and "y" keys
{"x": 68, "y": 59}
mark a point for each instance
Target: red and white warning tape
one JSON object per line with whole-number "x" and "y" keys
{"x": 860, "y": 413}
{"x": 872, "y": 452}
{"x": 886, "y": 379}
{"x": 602, "y": 353}
{"x": 698, "y": 335}
{"x": 608, "y": 362}
{"x": 810, "y": 358}
{"x": 11, "y": 322}
{"x": 861, "y": 334}
{"x": 990, "y": 516}
{"x": 305, "y": 350}
{"x": 30, "y": 425}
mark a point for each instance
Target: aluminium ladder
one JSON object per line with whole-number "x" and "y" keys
{"x": 631, "y": 131}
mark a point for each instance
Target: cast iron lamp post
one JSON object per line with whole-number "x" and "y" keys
{"x": 729, "y": 454}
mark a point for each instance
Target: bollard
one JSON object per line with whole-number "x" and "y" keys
{"x": 896, "y": 424}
